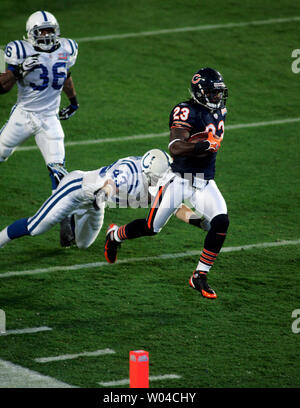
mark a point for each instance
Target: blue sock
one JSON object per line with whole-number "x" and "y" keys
{"x": 18, "y": 229}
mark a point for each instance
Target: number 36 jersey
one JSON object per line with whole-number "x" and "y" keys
{"x": 40, "y": 90}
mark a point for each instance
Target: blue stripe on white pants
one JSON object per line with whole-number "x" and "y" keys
{"x": 58, "y": 207}
{"x": 54, "y": 196}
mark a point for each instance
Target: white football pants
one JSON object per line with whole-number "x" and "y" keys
{"x": 48, "y": 132}
{"x": 205, "y": 199}
{"x": 69, "y": 199}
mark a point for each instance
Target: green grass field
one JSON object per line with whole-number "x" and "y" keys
{"x": 125, "y": 87}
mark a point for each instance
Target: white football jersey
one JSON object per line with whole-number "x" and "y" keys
{"x": 127, "y": 175}
{"x": 40, "y": 90}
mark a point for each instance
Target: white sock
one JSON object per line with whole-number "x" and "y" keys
{"x": 116, "y": 236}
{"x": 4, "y": 239}
{"x": 202, "y": 267}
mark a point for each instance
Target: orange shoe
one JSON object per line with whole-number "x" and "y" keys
{"x": 111, "y": 245}
{"x": 198, "y": 281}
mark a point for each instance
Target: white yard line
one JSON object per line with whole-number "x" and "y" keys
{"x": 26, "y": 331}
{"x": 151, "y": 378}
{"x": 163, "y": 134}
{"x": 15, "y": 376}
{"x": 143, "y": 259}
{"x": 204, "y": 27}
{"x": 261, "y": 245}
{"x": 189, "y": 29}
{"x": 99, "y": 141}
{"x": 72, "y": 356}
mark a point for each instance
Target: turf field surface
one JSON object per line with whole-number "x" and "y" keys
{"x": 127, "y": 86}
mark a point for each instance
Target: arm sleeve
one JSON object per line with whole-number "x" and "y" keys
{"x": 182, "y": 116}
{"x": 73, "y": 49}
{"x": 14, "y": 53}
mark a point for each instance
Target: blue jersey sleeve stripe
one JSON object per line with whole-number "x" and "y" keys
{"x": 75, "y": 44}
{"x": 132, "y": 163}
{"x": 23, "y": 49}
{"x": 44, "y": 15}
{"x": 72, "y": 48}
{"x": 134, "y": 175}
{"x": 18, "y": 49}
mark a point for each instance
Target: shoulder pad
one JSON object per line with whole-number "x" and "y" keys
{"x": 70, "y": 45}
{"x": 17, "y": 51}
{"x": 184, "y": 104}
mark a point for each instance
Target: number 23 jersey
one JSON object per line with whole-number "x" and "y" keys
{"x": 195, "y": 118}
{"x": 41, "y": 88}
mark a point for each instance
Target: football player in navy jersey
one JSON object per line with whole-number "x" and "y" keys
{"x": 192, "y": 176}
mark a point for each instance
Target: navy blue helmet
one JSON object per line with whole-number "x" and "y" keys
{"x": 208, "y": 88}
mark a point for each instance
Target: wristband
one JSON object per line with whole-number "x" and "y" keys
{"x": 15, "y": 69}
{"x": 201, "y": 147}
{"x": 74, "y": 101}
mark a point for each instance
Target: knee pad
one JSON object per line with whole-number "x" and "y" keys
{"x": 220, "y": 223}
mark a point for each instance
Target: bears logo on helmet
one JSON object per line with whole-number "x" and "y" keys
{"x": 208, "y": 89}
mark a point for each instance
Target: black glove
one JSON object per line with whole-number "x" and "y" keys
{"x": 69, "y": 111}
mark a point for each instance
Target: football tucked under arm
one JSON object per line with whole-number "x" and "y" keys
{"x": 198, "y": 137}
{"x": 199, "y": 144}
{"x": 205, "y": 141}
{"x": 179, "y": 145}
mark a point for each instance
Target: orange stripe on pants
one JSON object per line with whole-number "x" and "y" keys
{"x": 158, "y": 195}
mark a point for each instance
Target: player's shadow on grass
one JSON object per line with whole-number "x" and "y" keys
{"x": 36, "y": 258}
